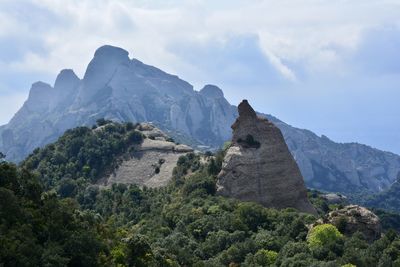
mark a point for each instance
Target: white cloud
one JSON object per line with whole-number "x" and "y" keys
{"x": 288, "y": 30}
{"x": 304, "y": 38}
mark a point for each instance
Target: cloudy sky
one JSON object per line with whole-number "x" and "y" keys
{"x": 329, "y": 66}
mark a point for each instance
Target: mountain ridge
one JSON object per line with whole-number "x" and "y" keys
{"x": 122, "y": 89}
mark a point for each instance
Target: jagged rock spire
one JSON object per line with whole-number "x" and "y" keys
{"x": 259, "y": 167}
{"x": 245, "y": 110}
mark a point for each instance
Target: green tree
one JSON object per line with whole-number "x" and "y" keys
{"x": 263, "y": 257}
{"x": 322, "y": 235}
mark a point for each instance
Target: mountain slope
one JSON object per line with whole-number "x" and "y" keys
{"x": 339, "y": 167}
{"x": 123, "y": 89}
{"x": 107, "y": 154}
{"x": 388, "y": 199}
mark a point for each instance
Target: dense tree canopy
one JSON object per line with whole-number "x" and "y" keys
{"x": 82, "y": 155}
{"x": 58, "y": 216}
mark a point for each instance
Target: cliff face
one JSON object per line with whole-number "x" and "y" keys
{"x": 123, "y": 89}
{"x": 152, "y": 162}
{"x": 259, "y": 167}
{"x": 339, "y": 167}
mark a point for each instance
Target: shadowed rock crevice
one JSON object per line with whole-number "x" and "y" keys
{"x": 259, "y": 167}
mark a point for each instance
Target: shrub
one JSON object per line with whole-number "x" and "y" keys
{"x": 135, "y": 137}
{"x": 101, "y": 122}
{"x": 322, "y": 235}
{"x": 199, "y": 182}
{"x": 263, "y": 257}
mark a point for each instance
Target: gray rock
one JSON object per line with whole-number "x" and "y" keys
{"x": 152, "y": 162}
{"x": 123, "y": 89}
{"x": 183, "y": 148}
{"x": 259, "y": 167}
{"x": 333, "y": 198}
{"x": 353, "y": 219}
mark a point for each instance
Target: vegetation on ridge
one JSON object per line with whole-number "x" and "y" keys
{"x": 82, "y": 155}
{"x": 183, "y": 224}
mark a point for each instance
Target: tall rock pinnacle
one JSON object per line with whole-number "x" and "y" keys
{"x": 259, "y": 167}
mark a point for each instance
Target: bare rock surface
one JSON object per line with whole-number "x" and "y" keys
{"x": 259, "y": 167}
{"x": 152, "y": 163}
{"x": 120, "y": 88}
{"x": 354, "y": 218}
{"x": 333, "y": 198}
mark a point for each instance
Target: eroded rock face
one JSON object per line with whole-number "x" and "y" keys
{"x": 152, "y": 162}
{"x": 119, "y": 88}
{"x": 354, "y": 218}
{"x": 333, "y": 198}
{"x": 259, "y": 167}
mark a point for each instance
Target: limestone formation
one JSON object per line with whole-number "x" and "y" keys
{"x": 353, "y": 219}
{"x": 259, "y": 167}
{"x": 151, "y": 163}
{"x": 333, "y": 198}
{"x": 121, "y": 88}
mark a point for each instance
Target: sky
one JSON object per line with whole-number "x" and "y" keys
{"x": 332, "y": 67}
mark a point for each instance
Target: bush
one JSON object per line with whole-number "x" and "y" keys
{"x": 135, "y": 137}
{"x": 322, "y": 235}
{"x": 262, "y": 257}
{"x": 101, "y": 122}
{"x": 201, "y": 183}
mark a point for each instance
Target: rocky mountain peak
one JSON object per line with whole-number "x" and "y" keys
{"x": 39, "y": 87}
{"x": 259, "y": 167}
{"x": 38, "y": 90}
{"x": 101, "y": 70}
{"x": 245, "y": 110}
{"x": 40, "y": 96}
{"x": 212, "y": 91}
{"x": 66, "y": 78}
{"x": 109, "y": 51}
{"x": 124, "y": 89}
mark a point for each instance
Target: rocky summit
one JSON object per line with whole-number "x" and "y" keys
{"x": 259, "y": 167}
{"x": 354, "y": 218}
{"x": 120, "y": 88}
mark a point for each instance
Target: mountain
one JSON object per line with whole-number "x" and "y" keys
{"x": 78, "y": 223}
{"x": 123, "y": 89}
{"x": 106, "y": 154}
{"x": 339, "y": 167}
{"x": 388, "y": 199}
{"x": 258, "y": 165}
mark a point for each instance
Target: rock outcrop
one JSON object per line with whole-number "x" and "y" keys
{"x": 151, "y": 163}
{"x": 333, "y": 198}
{"x": 259, "y": 167}
{"x": 353, "y": 219}
{"x": 119, "y": 88}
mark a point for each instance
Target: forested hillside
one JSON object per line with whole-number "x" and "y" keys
{"x": 82, "y": 155}
{"x": 38, "y": 228}
{"x": 184, "y": 224}
{"x": 47, "y": 222}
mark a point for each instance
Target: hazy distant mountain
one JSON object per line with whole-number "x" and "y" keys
{"x": 118, "y": 88}
{"x": 388, "y": 199}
